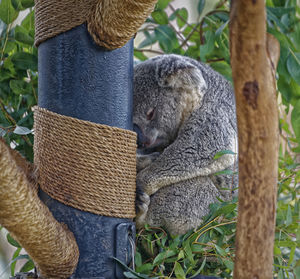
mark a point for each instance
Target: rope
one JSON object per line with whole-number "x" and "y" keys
{"x": 50, "y": 244}
{"x": 85, "y": 165}
{"x": 111, "y": 23}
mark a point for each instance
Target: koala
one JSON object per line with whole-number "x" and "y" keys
{"x": 184, "y": 113}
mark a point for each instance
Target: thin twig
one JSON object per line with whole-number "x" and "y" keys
{"x": 215, "y": 60}
{"x": 221, "y": 4}
{"x": 6, "y": 38}
{"x": 149, "y": 50}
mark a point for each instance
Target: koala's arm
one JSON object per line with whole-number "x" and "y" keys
{"x": 144, "y": 160}
{"x": 190, "y": 155}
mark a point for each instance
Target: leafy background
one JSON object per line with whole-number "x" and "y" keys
{"x": 200, "y": 31}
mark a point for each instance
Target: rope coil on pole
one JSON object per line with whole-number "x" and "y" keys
{"x": 50, "y": 244}
{"x": 111, "y": 23}
{"x": 85, "y": 165}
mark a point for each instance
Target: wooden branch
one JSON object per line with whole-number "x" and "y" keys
{"x": 254, "y": 84}
{"x": 50, "y": 244}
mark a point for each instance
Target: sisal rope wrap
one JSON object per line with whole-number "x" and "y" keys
{"x": 50, "y": 244}
{"x": 112, "y": 23}
{"x": 86, "y": 165}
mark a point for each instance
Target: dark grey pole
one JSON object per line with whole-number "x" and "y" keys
{"x": 78, "y": 78}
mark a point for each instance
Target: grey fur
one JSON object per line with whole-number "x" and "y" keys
{"x": 186, "y": 112}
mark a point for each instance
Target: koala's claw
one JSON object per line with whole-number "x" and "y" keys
{"x": 142, "y": 202}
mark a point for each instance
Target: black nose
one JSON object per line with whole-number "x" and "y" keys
{"x": 140, "y": 137}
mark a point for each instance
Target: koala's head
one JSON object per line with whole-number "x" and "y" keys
{"x": 167, "y": 89}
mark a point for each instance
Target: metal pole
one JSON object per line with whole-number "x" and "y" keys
{"x": 78, "y": 78}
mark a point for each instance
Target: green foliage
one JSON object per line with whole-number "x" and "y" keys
{"x": 208, "y": 250}
{"x": 18, "y": 75}
{"x": 202, "y": 35}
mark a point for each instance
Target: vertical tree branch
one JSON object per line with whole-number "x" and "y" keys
{"x": 257, "y": 114}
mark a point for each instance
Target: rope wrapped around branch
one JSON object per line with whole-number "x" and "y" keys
{"x": 85, "y": 165}
{"x": 50, "y": 244}
{"x": 111, "y": 23}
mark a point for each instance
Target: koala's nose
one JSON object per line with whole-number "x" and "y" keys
{"x": 140, "y": 136}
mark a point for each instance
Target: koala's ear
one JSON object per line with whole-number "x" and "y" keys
{"x": 177, "y": 72}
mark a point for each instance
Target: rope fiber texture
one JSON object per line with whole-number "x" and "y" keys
{"x": 50, "y": 244}
{"x": 111, "y": 23}
{"x": 85, "y": 165}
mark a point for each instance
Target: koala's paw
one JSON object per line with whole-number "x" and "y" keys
{"x": 142, "y": 204}
{"x": 144, "y": 160}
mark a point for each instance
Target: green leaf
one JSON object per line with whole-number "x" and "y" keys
{"x": 292, "y": 254}
{"x": 28, "y": 22}
{"x": 223, "y": 152}
{"x": 180, "y": 255}
{"x": 229, "y": 264}
{"x": 166, "y": 37}
{"x": 220, "y": 251}
{"x": 160, "y": 17}
{"x": 280, "y": 11}
{"x": 21, "y": 35}
{"x": 221, "y": 28}
{"x": 277, "y": 250}
{"x": 223, "y": 68}
{"x": 200, "y": 269}
{"x": 200, "y": 7}
{"x": 295, "y": 119}
{"x": 145, "y": 268}
{"x": 226, "y": 209}
{"x": 25, "y": 61}
{"x": 10, "y": 47}
{"x": 208, "y": 47}
{"x": 194, "y": 37}
{"x": 293, "y": 66}
{"x": 29, "y": 265}
{"x": 19, "y": 86}
{"x": 19, "y": 130}
{"x": 17, "y": 5}
{"x": 162, "y": 4}
{"x": 14, "y": 261}
{"x": 138, "y": 259}
{"x": 138, "y": 275}
{"x": 284, "y": 89}
{"x": 188, "y": 250}
{"x": 289, "y": 217}
{"x": 27, "y": 3}
{"x": 7, "y": 12}
{"x": 164, "y": 255}
{"x": 12, "y": 242}
{"x": 179, "y": 272}
{"x": 150, "y": 39}
{"x": 182, "y": 17}
{"x": 193, "y": 51}
{"x": 273, "y": 18}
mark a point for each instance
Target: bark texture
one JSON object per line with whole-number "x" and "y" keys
{"x": 253, "y": 62}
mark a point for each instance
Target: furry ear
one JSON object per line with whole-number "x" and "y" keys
{"x": 177, "y": 72}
